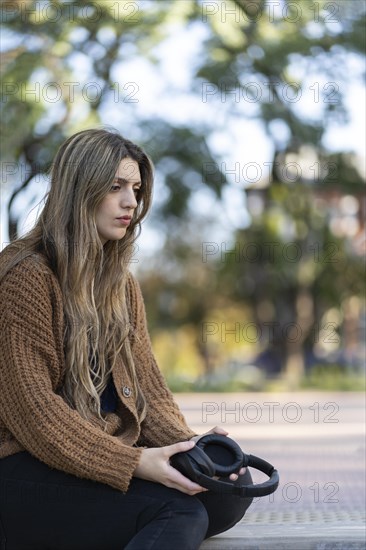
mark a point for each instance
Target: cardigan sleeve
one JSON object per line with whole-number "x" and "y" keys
{"x": 39, "y": 419}
{"x": 164, "y": 423}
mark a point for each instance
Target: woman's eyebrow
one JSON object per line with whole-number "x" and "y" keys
{"x": 123, "y": 180}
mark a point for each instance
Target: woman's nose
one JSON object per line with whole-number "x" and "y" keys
{"x": 129, "y": 199}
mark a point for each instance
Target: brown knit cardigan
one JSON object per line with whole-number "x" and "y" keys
{"x": 33, "y": 414}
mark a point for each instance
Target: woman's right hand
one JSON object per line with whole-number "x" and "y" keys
{"x": 154, "y": 466}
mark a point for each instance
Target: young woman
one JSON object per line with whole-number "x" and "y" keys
{"x": 87, "y": 423}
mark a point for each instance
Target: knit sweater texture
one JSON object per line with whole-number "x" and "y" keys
{"x": 33, "y": 414}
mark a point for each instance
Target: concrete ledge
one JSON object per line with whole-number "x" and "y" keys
{"x": 320, "y": 504}
{"x": 307, "y": 536}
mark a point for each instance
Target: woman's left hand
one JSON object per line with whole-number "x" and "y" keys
{"x": 220, "y": 431}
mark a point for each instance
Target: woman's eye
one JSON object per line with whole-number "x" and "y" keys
{"x": 137, "y": 190}
{"x": 115, "y": 187}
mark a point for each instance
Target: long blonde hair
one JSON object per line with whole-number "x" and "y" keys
{"x": 92, "y": 277}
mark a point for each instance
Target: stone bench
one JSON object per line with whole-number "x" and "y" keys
{"x": 309, "y": 535}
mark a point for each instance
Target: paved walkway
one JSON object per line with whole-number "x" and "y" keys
{"x": 317, "y": 443}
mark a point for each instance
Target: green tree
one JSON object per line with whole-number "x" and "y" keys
{"x": 255, "y": 51}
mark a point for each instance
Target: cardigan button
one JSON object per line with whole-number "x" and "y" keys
{"x": 126, "y": 391}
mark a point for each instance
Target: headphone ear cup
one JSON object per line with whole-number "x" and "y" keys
{"x": 193, "y": 463}
{"x": 225, "y": 454}
{"x": 203, "y": 461}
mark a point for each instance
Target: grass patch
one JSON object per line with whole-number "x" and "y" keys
{"x": 333, "y": 378}
{"x": 321, "y": 377}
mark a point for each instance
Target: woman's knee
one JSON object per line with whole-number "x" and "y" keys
{"x": 200, "y": 514}
{"x": 225, "y": 510}
{"x": 180, "y": 522}
{"x": 196, "y": 523}
{"x": 193, "y": 511}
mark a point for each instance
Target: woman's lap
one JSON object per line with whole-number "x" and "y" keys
{"x": 80, "y": 514}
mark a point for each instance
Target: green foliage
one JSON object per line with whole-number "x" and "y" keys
{"x": 334, "y": 378}
{"x": 322, "y": 377}
{"x": 85, "y": 42}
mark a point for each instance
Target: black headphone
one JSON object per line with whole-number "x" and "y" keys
{"x": 218, "y": 455}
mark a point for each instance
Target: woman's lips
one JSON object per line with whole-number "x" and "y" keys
{"x": 124, "y": 220}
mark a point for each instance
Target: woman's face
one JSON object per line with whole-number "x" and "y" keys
{"x": 114, "y": 213}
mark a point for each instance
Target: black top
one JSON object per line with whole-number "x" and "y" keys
{"x": 109, "y": 397}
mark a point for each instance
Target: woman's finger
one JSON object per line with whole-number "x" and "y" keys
{"x": 218, "y": 430}
{"x": 179, "y": 481}
{"x": 180, "y": 447}
{"x": 241, "y": 472}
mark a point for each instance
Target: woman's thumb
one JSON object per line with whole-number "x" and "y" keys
{"x": 180, "y": 447}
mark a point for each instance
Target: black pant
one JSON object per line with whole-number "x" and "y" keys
{"x": 46, "y": 509}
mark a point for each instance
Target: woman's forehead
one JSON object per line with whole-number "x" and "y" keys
{"x": 128, "y": 170}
